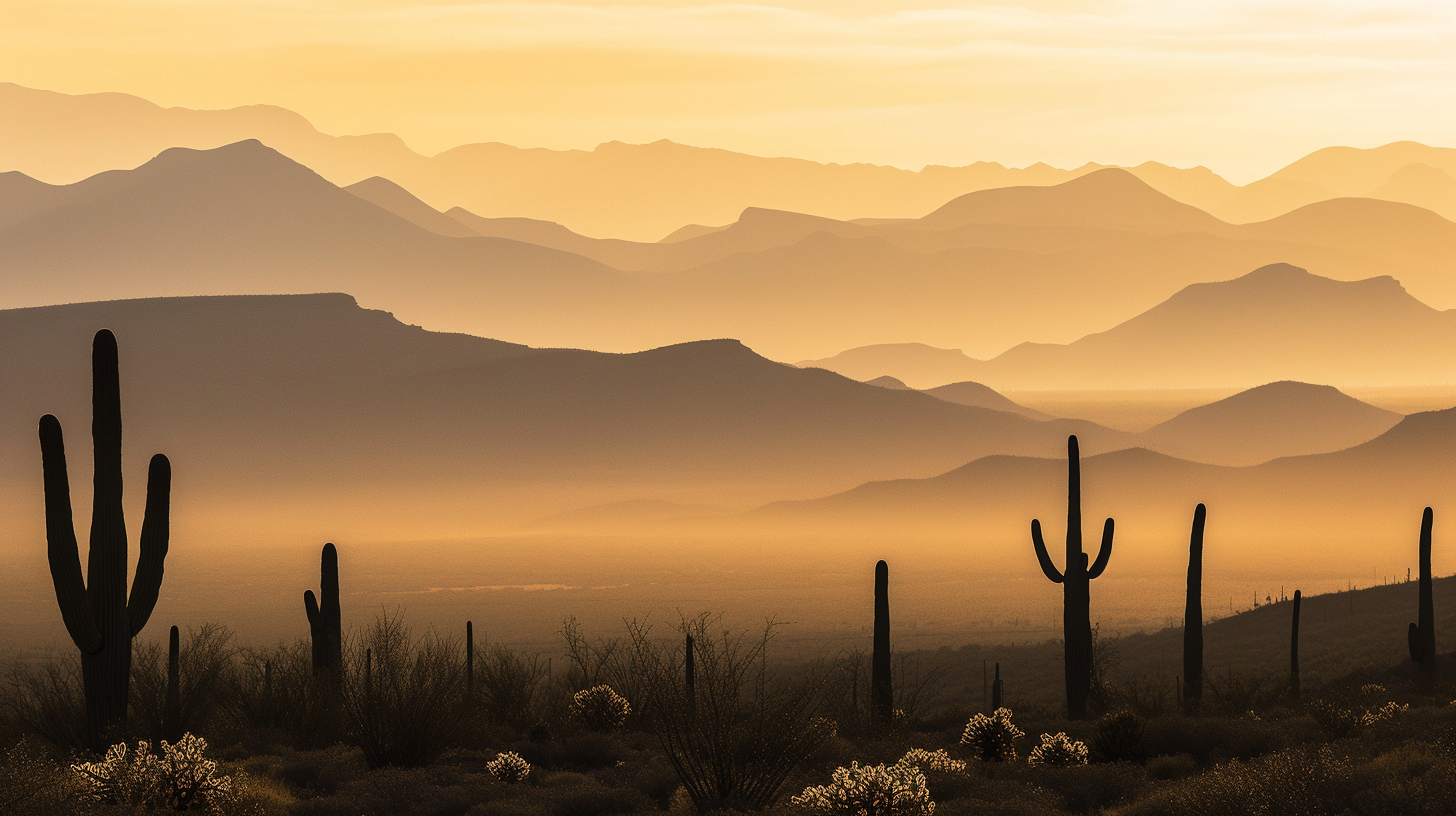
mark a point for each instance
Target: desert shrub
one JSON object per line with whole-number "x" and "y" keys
{"x": 1176, "y": 766}
{"x": 1210, "y": 739}
{"x": 1413, "y": 778}
{"x": 1058, "y": 751}
{"x": 745, "y": 732}
{"x": 32, "y": 783}
{"x": 1339, "y": 721}
{"x": 600, "y": 708}
{"x": 1121, "y": 736}
{"x": 1298, "y": 782}
{"x": 1232, "y": 694}
{"x": 273, "y": 690}
{"x": 511, "y": 686}
{"x": 1094, "y": 788}
{"x": 403, "y": 696}
{"x": 181, "y": 778}
{"x": 937, "y": 761}
{"x": 605, "y": 661}
{"x": 323, "y": 771}
{"x": 870, "y": 790}
{"x": 47, "y": 699}
{"x": 992, "y": 738}
{"x": 439, "y": 790}
{"x": 203, "y": 663}
{"x": 508, "y": 767}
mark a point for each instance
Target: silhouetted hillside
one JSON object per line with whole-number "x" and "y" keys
{"x": 972, "y": 393}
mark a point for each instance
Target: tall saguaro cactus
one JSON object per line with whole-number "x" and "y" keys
{"x": 99, "y": 616}
{"x": 1193, "y": 616}
{"x": 1422, "y": 635}
{"x": 1294, "y": 650}
{"x": 1076, "y": 588}
{"x": 172, "y": 705}
{"x": 882, "y": 695}
{"x": 325, "y": 621}
{"x": 997, "y": 690}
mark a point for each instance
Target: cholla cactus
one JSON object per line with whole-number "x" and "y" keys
{"x": 1385, "y": 712}
{"x": 870, "y": 790}
{"x": 993, "y": 738}
{"x": 122, "y": 777}
{"x": 1059, "y": 751}
{"x": 180, "y": 779}
{"x": 509, "y": 767}
{"x": 600, "y": 708}
{"x": 932, "y": 761}
{"x": 187, "y": 776}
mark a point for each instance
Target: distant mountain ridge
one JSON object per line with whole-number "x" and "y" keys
{"x": 642, "y": 192}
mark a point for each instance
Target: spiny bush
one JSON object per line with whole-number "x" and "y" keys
{"x": 870, "y": 790}
{"x": 993, "y": 738}
{"x": 511, "y": 686}
{"x": 182, "y": 778}
{"x": 46, "y": 699}
{"x": 937, "y": 761}
{"x": 1339, "y": 722}
{"x": 1058, "y": 751}
{"x": 35, "y": 784}
{"x": 600, "y": 708}
{"x": 273, "y": 690}
{"x": 403, "y": 696}
{"x": 1300, "y": 782}
{"x": 508, "y": 767}
{"x": 745, "y": 729}
{"x": 1121, "y": 736}
{"x": 203, "y": 664}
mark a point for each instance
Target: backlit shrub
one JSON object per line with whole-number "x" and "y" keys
{"x": 1059, "y": 751}
{"x": 870, "y": 790}
{"x": 600, "y": 708}
{"x": 992, "y": 738}
{"x": 509, "y": 767}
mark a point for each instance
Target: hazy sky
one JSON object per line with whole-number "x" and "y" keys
{"x": 1237, "y": 85}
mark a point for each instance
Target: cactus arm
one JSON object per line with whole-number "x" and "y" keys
{"x": 156, "y": 530}
{"x": 310, "y": 605}
{"x": 61, "y": 548}
{"x": 1103, "y": 553}
{"x": 1042, "y": 555}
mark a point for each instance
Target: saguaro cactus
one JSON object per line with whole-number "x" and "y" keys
{"x": 882, "y": 696}
{"x": 1076, "y": 588}
{"x": 1422, "y": 635}
{"x": 172, "y": 706}
{"x": 98, "y": 614}
{"x": 1294, "y": 650}
{"x": 1193, "y": 616}
{"x": 469, "y": 660}
{"x": 996, "y": 689}
{"x": 324, "y": 619}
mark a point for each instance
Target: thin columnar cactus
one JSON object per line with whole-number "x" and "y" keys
{"x": 1294, "y": 650}
{"x": 1193, "y": 617}
{"x": 1422, "y": 635}
{"x": 1076, "y": 589}
{"x": 172, "y": 708}
{"x": 882, "y": 695}
{"x": 98, "y": 614}
{"x": 469, "y": 660}
{"x": 996, "y": 689}
{"x": 325, "y": 622}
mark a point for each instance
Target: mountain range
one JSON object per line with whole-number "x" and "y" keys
{"x": 644, "y": 192}
{"x": 244, "y": 219}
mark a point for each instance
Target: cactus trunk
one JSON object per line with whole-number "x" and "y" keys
{"x": 469, "y": 660}
{"x": 325, "y": 620}
{"x": 1294, "y": 650}
{"x": 1422, "y": 635}
{"x": 172, "y": 708}
{"x": 1076, "y": 580}
{"x": 97, "y": 613}
{"x": 1193, "y": 617}
{"x": 996, "y": 689}
{"x": 882, "y": 696}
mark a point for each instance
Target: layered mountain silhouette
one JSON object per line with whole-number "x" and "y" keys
{"x": 641, "y": 192}
{"x": 245, "y": 219}
{"x": 311, "y": 395}
{"x": 1277, "y": 322}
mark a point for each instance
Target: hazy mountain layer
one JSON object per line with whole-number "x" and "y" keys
{"x": 644, "y": 191}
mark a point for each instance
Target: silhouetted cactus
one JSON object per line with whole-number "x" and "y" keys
{"x": 98, "y": 615}
{"x": 882, "y": 695}
{"x": 996, "y": 689}
{"x": 1422, "y": 635}
{"x": 1294, "y": 650}
{"x": 325, "y": 621}
{"x": 172, "y": 706}
{"x": 1076, "y": 590}
{"x": 1193, "y": 617}
{"x": 469, "y": 660}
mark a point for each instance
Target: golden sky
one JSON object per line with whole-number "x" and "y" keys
{"x": 1240, "y": 86}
